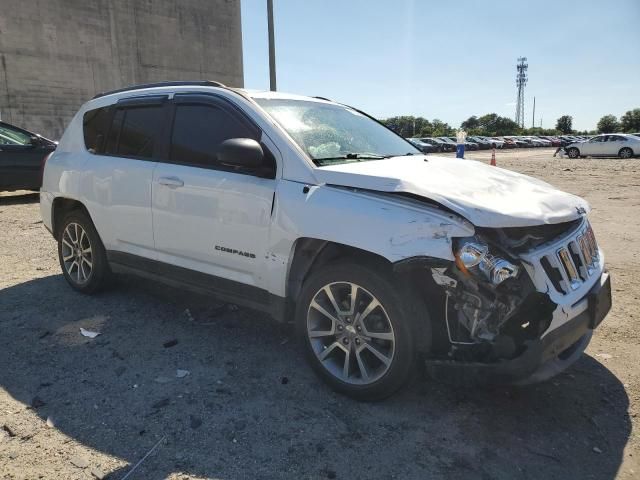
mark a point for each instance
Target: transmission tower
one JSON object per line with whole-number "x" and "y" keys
{"x": 521, "y": 81}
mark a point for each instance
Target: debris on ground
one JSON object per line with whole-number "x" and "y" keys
{"x": 99, "y": 474}
{"x": 182, "y": 373}
{"x": 604, "y": 356}
{"x": 597, "y": 450}
{"x": 79, "y": 461}
{"x": 9, "y": 430}
{"x": 88, "y": 333}
{"x": 284, "y": 380}
{"x": 50, "y": 422}
{"x": 142, "y": 459}
{"x": 170, "y": 343}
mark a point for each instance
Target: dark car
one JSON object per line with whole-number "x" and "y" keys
{"x": 440, "y": 145}
{"x": 468, "y": 145}
{"x": 22, "y": 154}
{"x": 422, "y": 146}
{"x": 482, "y": 143}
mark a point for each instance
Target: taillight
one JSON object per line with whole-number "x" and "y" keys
{"x": 44, "y": 161}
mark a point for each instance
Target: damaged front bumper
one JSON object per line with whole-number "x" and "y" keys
{"x": 544, "y": 357}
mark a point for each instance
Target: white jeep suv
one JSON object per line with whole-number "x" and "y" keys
{"x": 316, "y": 213}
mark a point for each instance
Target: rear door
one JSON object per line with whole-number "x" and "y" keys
{"x": 614, "y": 144}
{"x": 21, "y": 156}
{"x": 126, "y": 140}
{"x": 207, "y": 217}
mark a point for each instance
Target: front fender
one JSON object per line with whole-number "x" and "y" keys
{"x": 387, "y": 225}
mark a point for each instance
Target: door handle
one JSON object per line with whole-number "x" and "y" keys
{"x": 171, "y": 181}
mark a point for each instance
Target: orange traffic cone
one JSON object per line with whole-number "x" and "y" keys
{"x": 493, "y": 156}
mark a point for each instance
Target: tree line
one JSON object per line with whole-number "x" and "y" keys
{"x": 493, "y": 125}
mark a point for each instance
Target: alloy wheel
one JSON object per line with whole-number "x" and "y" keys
{"x": 350, "y": 333}
{"x": 77, "y": 254}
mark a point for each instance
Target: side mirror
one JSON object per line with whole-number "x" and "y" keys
{"x": 35, "y": 141}
{"x": 241, "y": 152}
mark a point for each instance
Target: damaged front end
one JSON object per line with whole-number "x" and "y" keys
{"x": 496, "y": 320}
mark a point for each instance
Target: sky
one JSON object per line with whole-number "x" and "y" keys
{"x": 452, "y": 59}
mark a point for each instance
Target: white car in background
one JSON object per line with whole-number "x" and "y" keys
{"x": 621, "y": 145}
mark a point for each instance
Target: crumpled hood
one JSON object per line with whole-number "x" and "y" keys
{"x": 487, "y": 196}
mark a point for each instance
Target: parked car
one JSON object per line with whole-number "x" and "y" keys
{"x": 482, "y": 143}
{"x": 468, "y": 145}
{"x": 450, "y": 142}
{"x": 519, "y": 142}
{"x": 623, "y": 145}
{"x": 316, "y": 213}
{"x": 508, "y": 142}
{"x": 21, "y": 156}
{"x": 440, "y": 145}
{"x": 424, "y": 147}
{"x": 494, "y": 142}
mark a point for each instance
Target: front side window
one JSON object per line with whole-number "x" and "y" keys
{"x": 134, "y": 131}
{"x": 331, "y": 133}
{"x": 198, "y": 131}
{"x": 9, "y": 136}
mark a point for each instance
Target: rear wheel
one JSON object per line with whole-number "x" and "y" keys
{"x": 573, "y": 152}
{"x": 81, "y": 253}
{"x": 625, "y": 153}
{"x": 356, "y": 330}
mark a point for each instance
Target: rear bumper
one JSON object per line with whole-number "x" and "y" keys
{"x": 543, "y": 358}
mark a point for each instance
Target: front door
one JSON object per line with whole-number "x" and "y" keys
{"x": 595, "y": 146}
{"x": 208, "y": 217}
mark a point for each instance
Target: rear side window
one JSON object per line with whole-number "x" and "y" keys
{"x": 135, "y": 131}
{"x": 95, "y": 124}
{"x": 198, "y": 131}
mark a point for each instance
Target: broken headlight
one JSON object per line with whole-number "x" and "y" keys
{"x": 474, "y": 258}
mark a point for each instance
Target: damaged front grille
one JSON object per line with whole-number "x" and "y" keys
{"x": 522, "y": 239}
{"x": 574, "y": 262}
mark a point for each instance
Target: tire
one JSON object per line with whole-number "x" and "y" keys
{"x": 625, "y": 153}
{"x": 573, "y": 153}
{"x": 81, "y": 254}
{"x": 381, "y": 344}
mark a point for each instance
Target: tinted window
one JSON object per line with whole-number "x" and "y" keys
{"x": 95, "y": 125}
{"x": 134, "y": 131}
{"x": 114, "y": 133}
{"x": 198, "y": 131}
{"x": 9, "y": 136}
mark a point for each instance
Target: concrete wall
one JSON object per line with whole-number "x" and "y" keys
{"x": 57, "y": 54}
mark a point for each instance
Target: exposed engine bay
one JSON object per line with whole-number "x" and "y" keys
{"x": 491, "y": 307}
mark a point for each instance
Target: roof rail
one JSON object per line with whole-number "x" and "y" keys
{"x": 323, "y": 98}
{"x": 200, "y": 83}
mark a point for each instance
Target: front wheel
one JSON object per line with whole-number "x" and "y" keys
{"x": 625, "y": 153}
{"x": 356, "y": 330}
{"x": 573, "y": 152}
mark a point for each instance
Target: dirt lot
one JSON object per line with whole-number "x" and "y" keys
{"x": 251, "y": 408}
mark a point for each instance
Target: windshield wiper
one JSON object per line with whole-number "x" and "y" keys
{"x": 352, "y": 156}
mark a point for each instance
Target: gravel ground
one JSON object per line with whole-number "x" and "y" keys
{"x": 77, "y": 408}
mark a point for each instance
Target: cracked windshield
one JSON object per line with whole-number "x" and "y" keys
{"x": 331, "y": 133}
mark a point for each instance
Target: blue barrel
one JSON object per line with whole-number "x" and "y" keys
{"x": 460, "y": 150}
